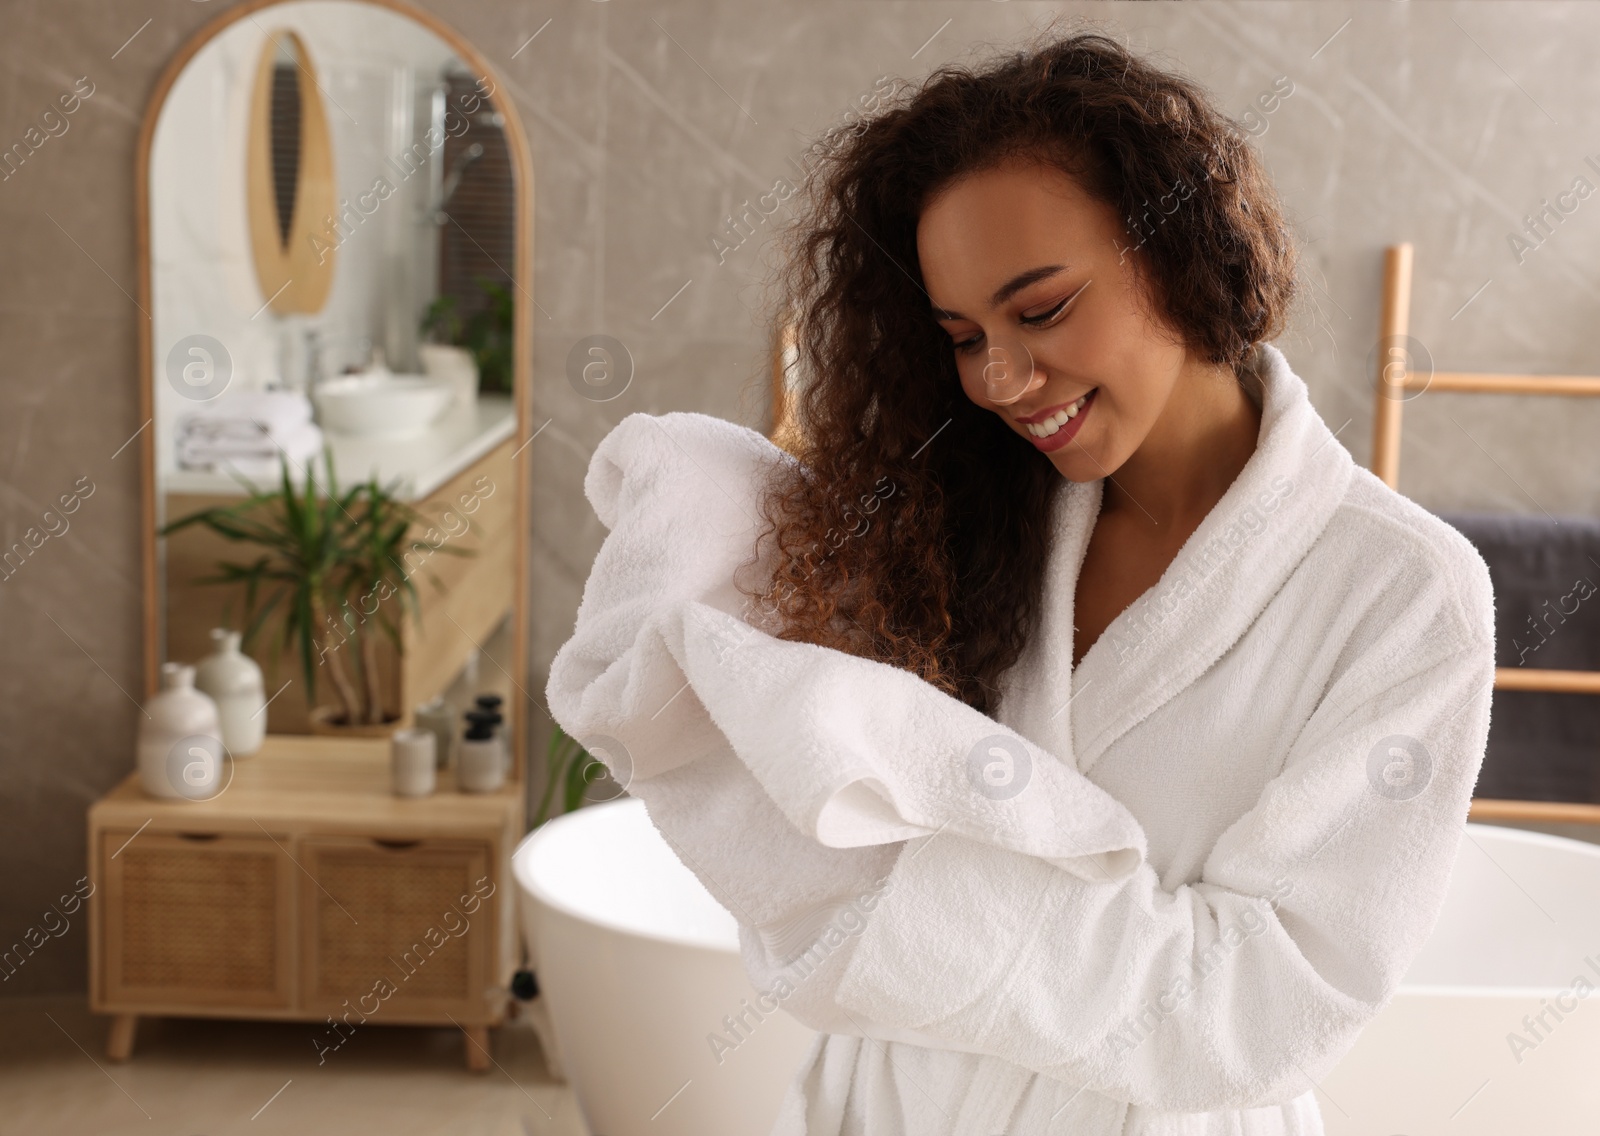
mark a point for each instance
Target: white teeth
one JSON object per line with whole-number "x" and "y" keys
{"x": 1057, "y": 420}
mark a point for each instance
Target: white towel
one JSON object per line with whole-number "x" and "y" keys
{"x": 1229, "y": 846}
{"x": 272, "y": 411}
{"x": 253, "y": 457}
{"x": 249, "y": 432}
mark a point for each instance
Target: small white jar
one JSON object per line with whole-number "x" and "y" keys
{"x": 411, "y": 762}
{"x": 233, "y": 680}
{"x": 438, "y": 717}
{"x": 181, "y": 755}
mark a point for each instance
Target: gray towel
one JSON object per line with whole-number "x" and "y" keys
{"x": 1546, "y": 574}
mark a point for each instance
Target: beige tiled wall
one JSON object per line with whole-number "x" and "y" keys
{"x": 1439, "y": 123}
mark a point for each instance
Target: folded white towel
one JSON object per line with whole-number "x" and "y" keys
{"x": 272, "y": 411}
{"x": 249, "y": 432}
{"x": 1235, "y": 821}
{"x": 253, "y": 455}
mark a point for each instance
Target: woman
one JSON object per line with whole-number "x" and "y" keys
{"x": 1088, "y": 742}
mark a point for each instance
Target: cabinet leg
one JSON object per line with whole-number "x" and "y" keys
{"x": 477, "y": 1043}
{"x": 119, "y": 1044}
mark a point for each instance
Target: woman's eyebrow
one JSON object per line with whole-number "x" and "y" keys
{"x": 1010, "y": 288}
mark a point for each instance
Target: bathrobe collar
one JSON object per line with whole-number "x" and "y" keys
{"x": 1215, "y": 588}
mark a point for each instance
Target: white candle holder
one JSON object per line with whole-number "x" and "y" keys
{"x": 412, "y": 762}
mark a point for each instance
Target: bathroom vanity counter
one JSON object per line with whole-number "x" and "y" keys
{"x": 421, "y": 463}
{"x": 305, "y": 891}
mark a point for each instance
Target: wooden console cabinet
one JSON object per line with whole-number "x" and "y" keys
{"x": 306, "y": 891}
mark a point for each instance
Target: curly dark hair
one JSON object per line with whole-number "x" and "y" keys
{"x": 914, "y": 529}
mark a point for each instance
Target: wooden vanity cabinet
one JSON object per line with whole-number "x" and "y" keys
{"x": 305, "y": 891}
{"x": 194, "y": 919}
{"x": 396, "y": 921}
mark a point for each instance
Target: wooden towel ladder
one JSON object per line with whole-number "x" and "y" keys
{"x": 1395, "y": 383}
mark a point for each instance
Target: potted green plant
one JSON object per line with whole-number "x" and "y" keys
{"x": 443, "y": 355}
{"x": 332, "y": 567}
{"x": 488, "y": 335}
{"x": 485, "y": 336}
{"x": 570, "y": 770}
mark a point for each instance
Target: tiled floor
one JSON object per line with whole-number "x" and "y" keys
{"x": 215, "y": 1078}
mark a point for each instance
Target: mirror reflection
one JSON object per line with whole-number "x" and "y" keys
{"x": 332, "y": 220}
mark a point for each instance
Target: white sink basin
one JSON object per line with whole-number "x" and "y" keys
{"x": 381, "y": 405}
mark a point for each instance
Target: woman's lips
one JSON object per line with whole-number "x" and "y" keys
{"x": 1068, "y": 429}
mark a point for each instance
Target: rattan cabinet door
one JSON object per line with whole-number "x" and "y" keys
{"x": 200, "y": 921}
{"x": 397, "y": 931}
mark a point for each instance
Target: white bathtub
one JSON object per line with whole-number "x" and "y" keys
{"x": 639, "y": 965}
{"x": 1522, "y": 916}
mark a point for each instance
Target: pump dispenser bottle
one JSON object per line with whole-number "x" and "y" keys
{"x": 481, "y": 754}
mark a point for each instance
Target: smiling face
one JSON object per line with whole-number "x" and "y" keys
{"x": 1047, "y": 316}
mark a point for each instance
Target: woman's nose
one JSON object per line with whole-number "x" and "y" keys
{"x": 1010, "y": 373}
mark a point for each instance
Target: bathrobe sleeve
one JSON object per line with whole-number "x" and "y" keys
{"x": 1245, "y": 987}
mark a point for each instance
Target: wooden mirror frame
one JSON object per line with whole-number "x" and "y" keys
{"x": 522, "y": 331}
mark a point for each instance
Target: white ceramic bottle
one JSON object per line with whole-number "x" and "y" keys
{"x": 180, "y": 739}
{"x": 233, "y": 680}
{"x": 439, "y": 718}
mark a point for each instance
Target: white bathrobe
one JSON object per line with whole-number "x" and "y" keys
{"x": 1159, "y": 893}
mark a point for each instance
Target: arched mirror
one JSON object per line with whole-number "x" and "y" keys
{"x": 335, "y": 210}
{"x": 334, "y": 205}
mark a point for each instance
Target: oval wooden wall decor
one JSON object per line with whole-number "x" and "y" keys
{"x": 286, "y": 199}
